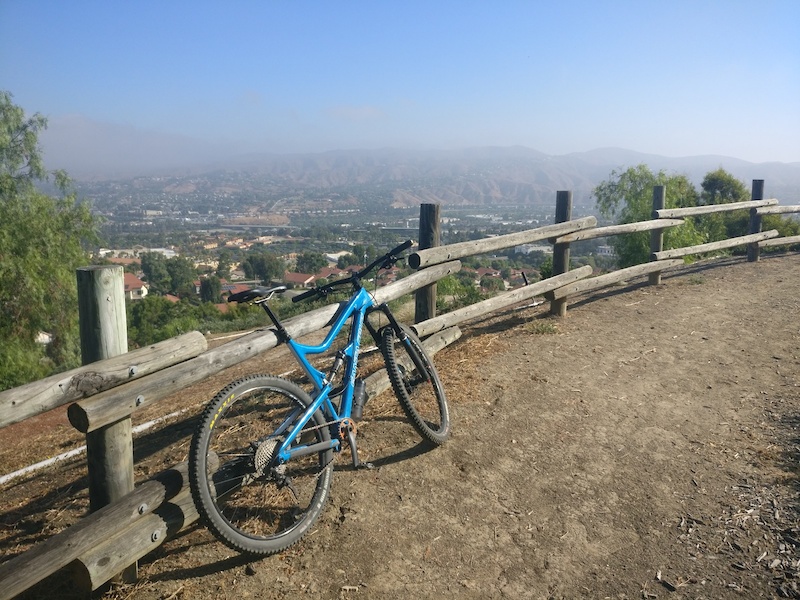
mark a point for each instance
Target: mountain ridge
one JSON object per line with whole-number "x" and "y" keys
{"x": 477, "y": 175}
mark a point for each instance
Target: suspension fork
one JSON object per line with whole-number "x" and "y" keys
{"x": 376, "y": 333}
{"x": 422, "y": 369}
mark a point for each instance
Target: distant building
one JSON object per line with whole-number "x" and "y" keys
{"x": 487, "y": 271}
{"x": 304, "y": 280}
{"x": 528, "y": 248}
{"x": 332, "y": 273}
{"x": 333, "y": 257}
{"x": 234, "y": 288}
{"x": 135, "y": 288}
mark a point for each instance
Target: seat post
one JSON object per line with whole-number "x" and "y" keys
{"x": 283, "y": 335}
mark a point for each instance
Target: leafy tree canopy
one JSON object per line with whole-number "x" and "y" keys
{"x": 720, "y": 187}
{"x": 224, "y": 265}
{"x": 174, "y": 275}
{"x": 42, "y": 242}
{"x": 210, "y": 289}
{"x": 310, "y": 262}
{"x": 263, "y": 265}
{"x": 628, "y": 197}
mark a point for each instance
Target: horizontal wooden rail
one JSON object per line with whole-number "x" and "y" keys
{"x": 111, "y": 406}
{"x": 500, "y": 301}
{"x": 693, "y": 211}
{"x": 601, "y": 281}
{"x": 778, "y": 210}
{"x": 598, "y": 232}
{"x": 781, "y": 241}
{"x": 124, "y": 546}
{"x": 37, "y": 397}
{"x": 440, "y": 254}
{"x": 712, "y": 246}
{"x": 45, "y": 558}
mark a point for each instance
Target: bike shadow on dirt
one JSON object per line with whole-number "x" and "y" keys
{"x": 788, "y": 459}
{"x": 419, "y": 449}
{"x": 240, "y": 560}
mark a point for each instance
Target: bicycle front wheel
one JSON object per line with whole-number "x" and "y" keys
{"x": 416, "y": 384}
{"x": 244, "y": 495}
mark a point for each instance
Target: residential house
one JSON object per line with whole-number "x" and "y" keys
{"x": 332, "y": 273}
{"x": 135, "y": 288}
{"x": 234, "y": 288}
{"x": 303, "y": 280}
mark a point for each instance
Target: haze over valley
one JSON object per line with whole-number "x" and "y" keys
{"x": 373, "y": 180}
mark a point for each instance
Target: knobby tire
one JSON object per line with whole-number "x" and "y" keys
{"x": 420, "y": 394}
{"x": 247, "y": 501}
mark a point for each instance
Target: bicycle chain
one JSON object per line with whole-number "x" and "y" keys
{"x": 344, "y": 424}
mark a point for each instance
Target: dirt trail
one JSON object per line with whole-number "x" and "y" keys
{"x": 650, "y": 433}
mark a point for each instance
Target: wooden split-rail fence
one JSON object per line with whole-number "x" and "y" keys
{"x": 126, "y": 521}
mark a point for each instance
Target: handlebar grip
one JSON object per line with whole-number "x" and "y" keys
{"x": 404, "y": 246}
{"x": 308, "y": 294}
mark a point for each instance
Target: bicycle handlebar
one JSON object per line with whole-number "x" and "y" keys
{"x": 384, "y": 262}
{"x": 307, "y": 294}
{"x": 388, "y": 259}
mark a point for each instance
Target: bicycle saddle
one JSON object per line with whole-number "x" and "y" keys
{"x": 256, "y": 293}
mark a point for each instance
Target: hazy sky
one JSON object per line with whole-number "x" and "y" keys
{"x": 677, "y": 77}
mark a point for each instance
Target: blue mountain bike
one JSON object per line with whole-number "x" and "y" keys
{"x": 261, "y": 459}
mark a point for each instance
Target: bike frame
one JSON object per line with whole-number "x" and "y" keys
{"x": 357, "y": 308}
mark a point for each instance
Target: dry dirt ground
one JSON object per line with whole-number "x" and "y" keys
{"x": 645, "y": 446}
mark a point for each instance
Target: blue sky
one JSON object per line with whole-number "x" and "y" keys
{"x": 677, "y": 78}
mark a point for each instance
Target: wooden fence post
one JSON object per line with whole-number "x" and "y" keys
{"x": 104, "y": 334}
{"x": 429, "y": 237}
{"x": 657, "y": 235}
{"x": 753, "y": 250}
{"x": 561, "y": 250}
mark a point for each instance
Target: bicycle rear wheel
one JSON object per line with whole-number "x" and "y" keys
{"x": 418, "y": 389}
{"x": 244, "y": 496}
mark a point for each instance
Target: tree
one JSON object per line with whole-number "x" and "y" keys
{"x": 364, "y": 254}
{"x": 154, "y": 267}
{"x": 720, "y": 187}
{"x": 174, "y": 275}
{"x": 42, "y": 242}
{"x": 20, "y": 158}
{"x": 263, "y": 265}
{"x": 346, "y": 260}
{"x": 454, "y": 291}
{"x": 546, "y": 267}
{"x": 181, "y": 276}
{"x": 492, "y": 284}
{"x": 628, "y": 197}
{"x": 224, "y": 265}
{"x": 310, "y": 262}
{"x": 210, "y": 289}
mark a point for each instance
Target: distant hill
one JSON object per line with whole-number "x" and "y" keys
{"x": 489, "y": 175}
{"x": 513, "y": 175}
